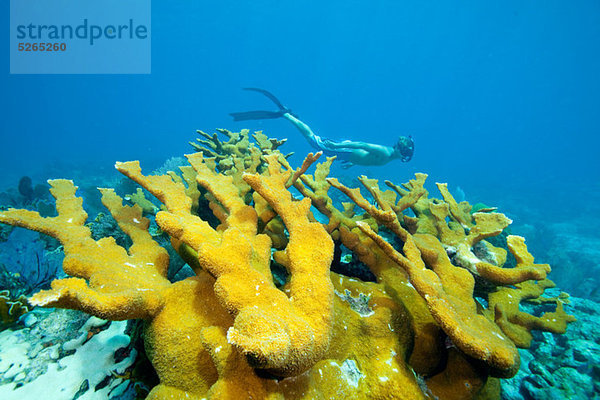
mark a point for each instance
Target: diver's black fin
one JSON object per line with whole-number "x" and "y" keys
{"x": 250, "y": 115}
{"x": 269, "y": 95}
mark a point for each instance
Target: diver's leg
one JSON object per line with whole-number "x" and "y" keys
{"x": 349, "y": 144}
{"x": 313, "y": 139}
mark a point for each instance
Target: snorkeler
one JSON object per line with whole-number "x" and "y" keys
{"x": 348, "y": 151}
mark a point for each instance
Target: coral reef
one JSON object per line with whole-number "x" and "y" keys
{"x": 237, "y": 146}
{"x": 441, "y": 318}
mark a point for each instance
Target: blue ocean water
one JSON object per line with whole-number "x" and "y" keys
{"x": 502, "y": 100}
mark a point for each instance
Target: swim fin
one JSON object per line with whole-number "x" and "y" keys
{"x": 250, "y": 115}
{"x": 259, "y": 114}
{"x": 269, "y": 95}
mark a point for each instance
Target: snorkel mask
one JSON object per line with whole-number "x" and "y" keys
{"x": 405, "y": 147}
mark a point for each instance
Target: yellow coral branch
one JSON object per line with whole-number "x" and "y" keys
{"x": 474, "y": 334}
{"x": 525, "y": 269}
{"x": 460, "y": 212}
{"x": 517, "y": 324}
{"x": 280, "y": 334}
{"x": 74, "y": 293}
{"x": 121, "y": 285}
{"x": 308, "y": 161}
{"x": 309, "y": 252}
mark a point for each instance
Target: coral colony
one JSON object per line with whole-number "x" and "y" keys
{"x": 441, "y": 317}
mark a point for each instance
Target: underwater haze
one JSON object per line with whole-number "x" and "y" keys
{"x": 502, "y": 91}
{"x": 502, "y": 100}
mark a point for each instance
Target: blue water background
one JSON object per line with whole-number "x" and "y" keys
{"x": 502, "y": 98}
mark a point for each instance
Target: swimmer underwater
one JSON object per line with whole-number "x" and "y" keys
{"x": 350, "y": 152}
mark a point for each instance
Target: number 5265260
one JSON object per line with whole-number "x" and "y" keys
{"x": 28, "y": 46}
